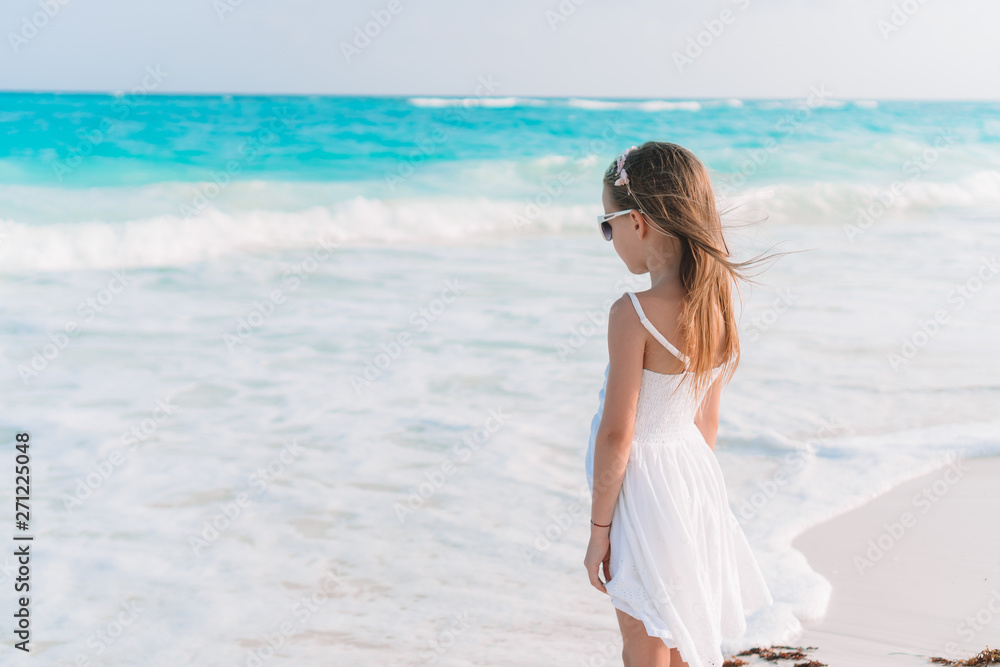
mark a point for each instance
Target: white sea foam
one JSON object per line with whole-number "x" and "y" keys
{"x": 280, "y": 216}
{"x": 821, "y": 203}
{"x": 669, "y": 106}
{"x": 485, "y": 101}
{"x": 650, "y": 105}
{"x": 170, "y": 240}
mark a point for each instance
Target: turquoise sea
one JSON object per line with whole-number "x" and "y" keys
{"x": 309, "y": 380}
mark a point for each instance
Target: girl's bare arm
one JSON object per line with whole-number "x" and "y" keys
{"x": 613, "y": 442}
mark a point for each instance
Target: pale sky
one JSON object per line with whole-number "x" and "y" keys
{"x": 857, "y": 49}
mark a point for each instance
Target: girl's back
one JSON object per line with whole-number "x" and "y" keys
{"x": 666, "y": 405}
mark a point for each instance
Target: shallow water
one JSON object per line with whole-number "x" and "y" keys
{"x": 353, "y": 422}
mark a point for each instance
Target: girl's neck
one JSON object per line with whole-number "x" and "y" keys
{"x": 665, "y": 270}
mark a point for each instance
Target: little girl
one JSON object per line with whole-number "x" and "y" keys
{"x": 677, "y": 565}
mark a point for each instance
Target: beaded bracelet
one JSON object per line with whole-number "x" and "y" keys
{"x": 599, "y": 525}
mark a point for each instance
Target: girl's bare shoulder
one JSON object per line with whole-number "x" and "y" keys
{"x": 624, "y": 325}
{"x": 621, "y": 312}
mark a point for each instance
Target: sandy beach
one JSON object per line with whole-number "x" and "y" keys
{"x": 915, "y": 572}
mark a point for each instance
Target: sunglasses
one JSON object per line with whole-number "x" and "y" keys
{"x": 606, "y": 226}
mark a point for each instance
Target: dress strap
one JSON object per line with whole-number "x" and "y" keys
{"x": 656, "y": 334}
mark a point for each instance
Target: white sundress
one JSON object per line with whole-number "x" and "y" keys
{"x": 680, "y": 562}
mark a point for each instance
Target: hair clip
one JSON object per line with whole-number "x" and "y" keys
{"x": 622, "y": 175}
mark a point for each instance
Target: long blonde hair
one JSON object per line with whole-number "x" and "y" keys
{"x": 673, "y": 188}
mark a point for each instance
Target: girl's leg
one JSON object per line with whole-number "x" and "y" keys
{"x": 641, "y": 650}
